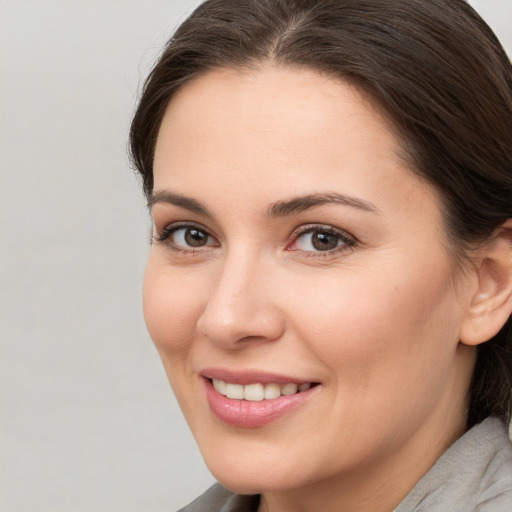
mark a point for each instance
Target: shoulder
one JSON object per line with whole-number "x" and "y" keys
{"x": 212, "y": 500}
{"x": 495, "y": 486}
{"x": 473, "y": 475}
{"x": 219, "y": 499}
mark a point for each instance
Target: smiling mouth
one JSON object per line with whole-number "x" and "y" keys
{"x": 254, "y": 399}
{"x": 258, "y": 392}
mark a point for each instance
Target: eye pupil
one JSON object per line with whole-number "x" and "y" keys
{"x": 322, "y": 241}
{"x": 195, "y": 238}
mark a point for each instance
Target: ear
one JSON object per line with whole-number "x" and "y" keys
{"x": 491, "y": 304}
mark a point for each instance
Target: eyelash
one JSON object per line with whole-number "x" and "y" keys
{"x": 169, "y": 231}
{"x": 345, "y": 240}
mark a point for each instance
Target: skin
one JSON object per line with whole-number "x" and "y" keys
{"x": 376, "y": 322}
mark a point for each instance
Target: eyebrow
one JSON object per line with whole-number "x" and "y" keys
{"x": 301, "y": 203}
{"x": 178, "y": 200}
{"x": 281, "y": 208}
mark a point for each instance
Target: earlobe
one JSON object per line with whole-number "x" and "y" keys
{"x": 491, "y": 304}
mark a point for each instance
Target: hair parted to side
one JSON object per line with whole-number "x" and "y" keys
{"x": 434, "y": 66}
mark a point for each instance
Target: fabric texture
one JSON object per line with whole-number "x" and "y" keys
{"x": 473, "y": 475}
{"x": 218, "y": 499}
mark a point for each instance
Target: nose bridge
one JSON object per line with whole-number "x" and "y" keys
{"x": 239, "y": 306}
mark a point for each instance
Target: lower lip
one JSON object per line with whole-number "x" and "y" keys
{"x": 247, "y": 414}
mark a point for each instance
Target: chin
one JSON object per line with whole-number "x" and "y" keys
{"x": 255, "y": 475}
{"x": 248, "y": 482}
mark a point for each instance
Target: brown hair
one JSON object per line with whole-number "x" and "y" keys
{"x": 434, "y": 66}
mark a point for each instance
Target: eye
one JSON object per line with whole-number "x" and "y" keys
{"x": 321, "y": 239}
{"x": 186, "y": 237}
{"x": 190, "y": 237}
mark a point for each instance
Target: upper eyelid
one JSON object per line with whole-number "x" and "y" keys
{"x": 308, "y": 228}
{"x": 174, "y": 226}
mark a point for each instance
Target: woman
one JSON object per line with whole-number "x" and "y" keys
{"x": 330, "y": 283}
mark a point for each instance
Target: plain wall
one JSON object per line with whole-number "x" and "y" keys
{"x": 87, "y": 420}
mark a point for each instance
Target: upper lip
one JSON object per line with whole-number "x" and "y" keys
{"x": 245, "y": 377}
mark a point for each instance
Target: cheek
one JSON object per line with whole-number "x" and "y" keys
{"x": 388, "y": 348}
{"x": 172, "y": 305}
{"x": 375, "y": 319}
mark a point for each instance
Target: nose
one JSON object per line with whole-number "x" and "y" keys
{"x": 242, "y": 305}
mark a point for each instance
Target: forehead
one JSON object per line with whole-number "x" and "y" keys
{"x": 275, "y": 129}
{"x": 295, "y": 101}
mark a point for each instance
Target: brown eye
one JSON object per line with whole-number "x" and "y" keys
{"x": 318, "y": 239}
{"x": 195, "y": 238}
{"x": 322, "y": 241}
{"x": 187, "y": 237}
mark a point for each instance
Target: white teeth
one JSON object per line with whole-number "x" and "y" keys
{"x": 235, "y": 391}
{"x": 220, "y": 386}
{"x": 254, "y": 392}
{"x": 257, "y": 392}
{"x": 272, "y": 391}
{"x": 289, "y": 389}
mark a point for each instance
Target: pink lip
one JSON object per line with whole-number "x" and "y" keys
{"x": 247, "y": 414}
{"x": 249, "y": 377}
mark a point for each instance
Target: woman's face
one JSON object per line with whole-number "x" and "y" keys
{"x": 297, "y": 258}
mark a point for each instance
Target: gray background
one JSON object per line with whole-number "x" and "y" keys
{"x": 87, "y": 420}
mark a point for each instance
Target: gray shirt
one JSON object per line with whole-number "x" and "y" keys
{"x": 473, "y": 475}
